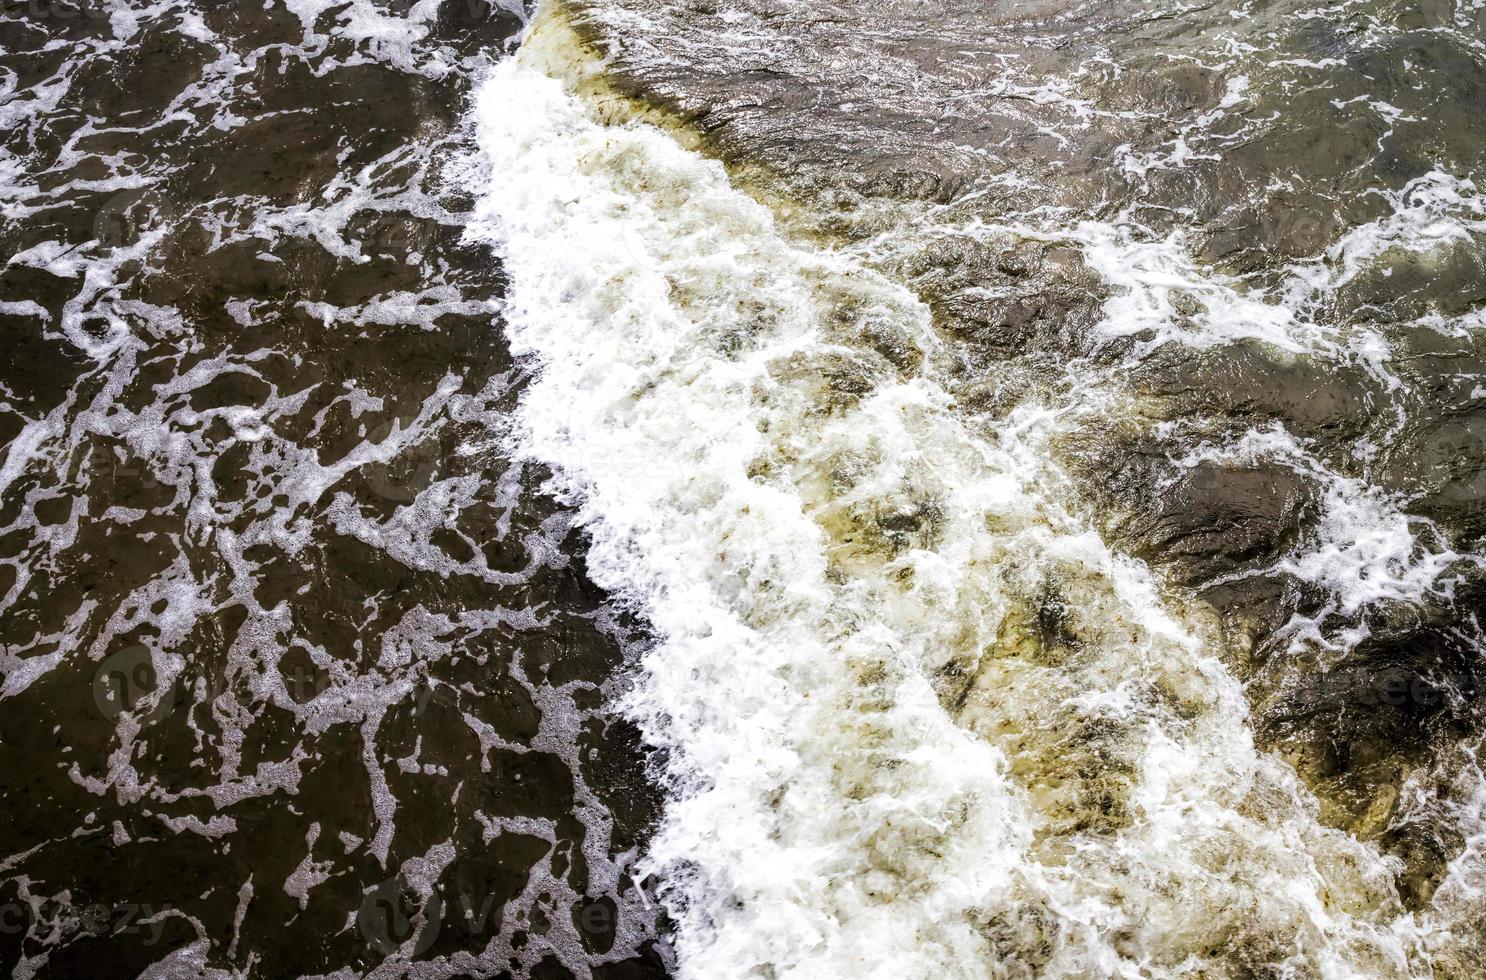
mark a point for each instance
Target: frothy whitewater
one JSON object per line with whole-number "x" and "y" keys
{"x": 919, "y": 719}
{"x": 981, "y": 489}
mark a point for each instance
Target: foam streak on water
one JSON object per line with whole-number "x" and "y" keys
{"x": 922, "y": 721}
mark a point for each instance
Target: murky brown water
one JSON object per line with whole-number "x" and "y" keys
{"x": 1313, "y": 170}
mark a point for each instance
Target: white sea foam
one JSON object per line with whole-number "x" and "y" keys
{"x": 1151, "y": 277}
{"x": 885, "y": 761}
{"x": 1364, "y": 550}
{"x": 1424, "y": 216}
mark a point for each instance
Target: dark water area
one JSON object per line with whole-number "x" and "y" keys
{"x": 302, "y": 674}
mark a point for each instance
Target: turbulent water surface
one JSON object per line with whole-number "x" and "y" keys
{"x": 722, "y": 488}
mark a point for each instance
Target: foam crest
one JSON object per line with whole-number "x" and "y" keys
{"x": 921, "y": 720}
